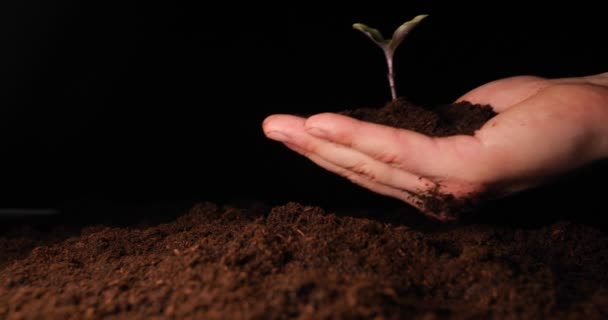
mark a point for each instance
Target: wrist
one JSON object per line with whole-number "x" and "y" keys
{"x": 601, "y": 124}
{"x": 603, "y": 154}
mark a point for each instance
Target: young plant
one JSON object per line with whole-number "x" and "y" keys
{"x": 389, "y": 46}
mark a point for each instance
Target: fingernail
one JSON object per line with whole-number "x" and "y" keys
{"x": 317, "y": 132}
{"x": 278, "y": 136}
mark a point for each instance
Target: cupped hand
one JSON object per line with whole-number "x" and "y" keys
{"x": 544, "y": 128}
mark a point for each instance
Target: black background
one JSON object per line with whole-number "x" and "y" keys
{"x": 143, "y": 100}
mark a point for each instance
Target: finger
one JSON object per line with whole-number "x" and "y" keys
{"x": 285, "y": 127}
{"x": 360, "y": 180}
{"x": 408, "y": 150}
{"x": 291, "y": 130}
{"x": 276, "y": 126}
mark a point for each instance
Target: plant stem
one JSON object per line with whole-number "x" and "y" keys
{"x": 391, "y": 74}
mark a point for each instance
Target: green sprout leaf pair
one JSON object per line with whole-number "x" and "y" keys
{"x": 389, "y": 46}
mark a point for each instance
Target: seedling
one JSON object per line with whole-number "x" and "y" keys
{"x": 389, "y": 46}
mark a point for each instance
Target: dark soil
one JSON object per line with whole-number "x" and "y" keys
{"x": 437, "y": 121}
{"x": 519, "y": 259}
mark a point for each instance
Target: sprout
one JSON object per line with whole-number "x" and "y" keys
{"x": 389, "y": 46}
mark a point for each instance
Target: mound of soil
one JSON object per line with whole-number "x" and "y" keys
{"x": 437, "y": 121}
{"x": 293, "y": 260}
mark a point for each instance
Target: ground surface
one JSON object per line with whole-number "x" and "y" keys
{"x": 301, "y": 261}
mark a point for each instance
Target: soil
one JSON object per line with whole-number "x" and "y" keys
{"x": 519, "y": 258}
{"x": 438, "y": 121}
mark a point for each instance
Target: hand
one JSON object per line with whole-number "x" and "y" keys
{"x": 544, "y": 128}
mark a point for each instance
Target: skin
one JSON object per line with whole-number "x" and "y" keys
{"x": 544, "y": 128}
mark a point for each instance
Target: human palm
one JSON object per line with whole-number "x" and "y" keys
{"x": 544, "y": 128}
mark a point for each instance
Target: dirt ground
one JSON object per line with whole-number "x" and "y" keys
{"x": 298, "y": 261}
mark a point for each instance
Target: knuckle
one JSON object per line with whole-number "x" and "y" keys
{"x": 310, "y": 147}
{"x": 364, "y": 169}
{"x": 388, "y": 157}
{"x": 354, "y": 178}
{"x": 427, "y": 184}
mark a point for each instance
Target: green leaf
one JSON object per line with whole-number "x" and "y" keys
{"x": 403, "y": 31}
{"x": 389, "y": 46}
{"x": 372, "y": 33}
